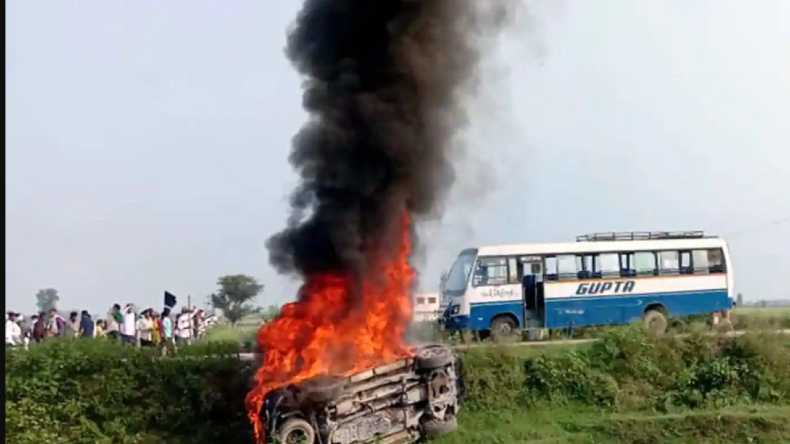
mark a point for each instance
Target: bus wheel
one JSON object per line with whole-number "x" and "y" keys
{"x": 503, "y": 328}
{"x": 655, "y": 322}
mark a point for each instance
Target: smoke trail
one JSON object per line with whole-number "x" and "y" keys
{"x": 383, "y": 87}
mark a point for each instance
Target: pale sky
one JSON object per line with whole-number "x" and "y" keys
{"x": 147, "y": 141}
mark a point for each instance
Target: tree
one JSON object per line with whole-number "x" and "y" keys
{"x": 235, "y": 291}
{"x": 47, "y": 299}
{"x": 739, "y": 301}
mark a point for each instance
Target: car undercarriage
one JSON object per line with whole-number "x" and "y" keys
{"x": 398, "y": 402}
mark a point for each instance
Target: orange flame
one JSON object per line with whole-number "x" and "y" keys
{"x": 331, "y": 332}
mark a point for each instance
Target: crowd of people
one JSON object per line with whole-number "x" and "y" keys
{"x": 146, "y": 328}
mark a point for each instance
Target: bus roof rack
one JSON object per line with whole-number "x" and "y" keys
{"x": 639, "y": 235}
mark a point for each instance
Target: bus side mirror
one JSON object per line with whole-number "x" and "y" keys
{"x": 442, "y": 281}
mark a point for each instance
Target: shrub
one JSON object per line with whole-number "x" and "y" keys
{"x": 493, "y": 379}
{"x": 100, "y": 391}
{"x": 627, "y": 367}
{"x": 569, "y": 377}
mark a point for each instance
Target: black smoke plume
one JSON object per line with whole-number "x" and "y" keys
{"x": 384, "y": 83}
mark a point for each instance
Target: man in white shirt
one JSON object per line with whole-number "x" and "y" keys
{"x": 128, "y": 328}
{"x": 184, "y": 327}
{"x": 114, "y": 321}
{"x": 13, "y": 334}
{"x": 144, "y": 326}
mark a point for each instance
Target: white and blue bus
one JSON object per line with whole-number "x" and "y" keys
{"x": 601, "y": 279}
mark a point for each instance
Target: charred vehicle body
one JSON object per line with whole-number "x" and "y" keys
{"x": 398, "y": 402}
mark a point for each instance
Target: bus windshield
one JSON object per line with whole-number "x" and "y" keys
{"x": 459, "y": 274}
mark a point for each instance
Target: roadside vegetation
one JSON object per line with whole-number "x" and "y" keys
{"x": 81, "y": 391}
{"x": 625, "y": 387}
{"x": 629, "y": 387}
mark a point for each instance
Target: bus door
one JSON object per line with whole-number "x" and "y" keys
{"x": 532, "y": 290}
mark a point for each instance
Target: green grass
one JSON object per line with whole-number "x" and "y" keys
{"x": 629, "y": 388}
{"x": 244, "y": 335}
{"x": 755, "y": 318}
{"x": 522, "y": 352}
{"x": 578, "y": 424}
{"x": 764, "y": 311}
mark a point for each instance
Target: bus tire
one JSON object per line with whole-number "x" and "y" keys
{"x": 503, "y": 328}
{"x": 655, "y": 322}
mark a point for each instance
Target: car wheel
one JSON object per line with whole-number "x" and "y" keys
{"x": 655, "y": 322}
{"x": 503, "y": 328}
{"x": 296, "y": 431}
{"x": 434, "y": 356}
{"x": 434, "y": 428}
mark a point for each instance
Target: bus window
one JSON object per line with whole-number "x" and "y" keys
{"x": 459, "y": 273}
{"x": 550, "y": 268}
{"x": 490, "y": 271}
{"x": 585, "y": 264}
{"x": 627, "y": 268}
{"x": 685, "y": 262}
{"x": 530, "y": 265}
{"x": 700, "y": 261}
{"x": 645, "y": 263}
{"x": 608, "y": 264}
{"x": 668, "y": 261}
{"x": 716, "y": 261}
{"x": 566, "y": 266}
{"x": 513, "y": 271}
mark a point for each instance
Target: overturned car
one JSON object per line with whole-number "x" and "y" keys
{"x": 398, "y": 402}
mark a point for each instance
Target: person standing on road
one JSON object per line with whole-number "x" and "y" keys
{"x": 86, "y": 325}
{"x": 26, "y": 327}
{"x": 40, "y": 327}
{"x": 184, "y": 328}
{"x": 167, "y": 332}
{"x": 144, "y": 327}
{"x": 100, "y": 330}
{"x": 114, "y": 322}
{"x": 73, "y": 326}
{"x": 13, "y": 333}
{"x": 128, "y": 327}
{"x": 156, "y": 328}
{"x": 199, "y": 323}
{"x": 56, "y": 326}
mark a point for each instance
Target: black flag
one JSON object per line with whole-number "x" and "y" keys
{"x": 170, "y": 299}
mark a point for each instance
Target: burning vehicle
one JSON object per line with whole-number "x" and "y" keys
{"x": 398, "y": 402}
{"x": 384, "y": 86}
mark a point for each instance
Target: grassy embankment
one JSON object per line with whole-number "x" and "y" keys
{"x": 630, "y": 388}
{"x": 624, "y": 388}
